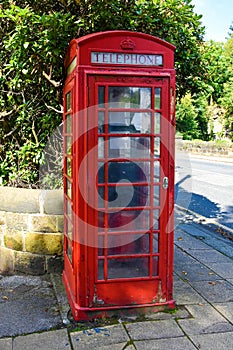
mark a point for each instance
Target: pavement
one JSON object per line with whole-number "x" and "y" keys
{"x": 34, "y": 313}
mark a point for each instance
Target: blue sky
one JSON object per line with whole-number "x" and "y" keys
{"x": 217, "y": 17}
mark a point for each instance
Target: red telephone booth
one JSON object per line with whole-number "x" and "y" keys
{"x": 118, "y": 173}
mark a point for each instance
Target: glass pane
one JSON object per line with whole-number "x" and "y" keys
{"x": 128, "y": 244}
{"x": 68, "y": 188}
{"x": 69, "y": 210}
{"x": 157, "y": 98}
{"x": 68, "y": 101}
{"x": 68, "y": 142}
{"x": 157, "y": 123}
{"x": 157, "y": 146}
{"x": 156, "y": 219}
{"x": 128, "y": 268}
{"x": 155, "y": 243}
{"x": 69, "y": 166}
{"x": 101, "y": 92}
{"x": 128, "y": 172}
{"x": 156, "y": 171}
{"x": 128, "y": 196}
{"x": 100, "y": 147}
{"x": 68, "y": 124}
{"x": 130, "y": 220}
{"x": 156, "y": 195}
{"x": 129, "y": 122}
{"x": 129, "y": 97}
{"x": 69, "y": 251}
{"x": 129, "y": 147}
{"x": 100, "y": 269}
{"x": 100, "y": 245}
{"x": 155, "y": 266}
{"x": 101, "y": 122}
{"x": 69, "y": 228}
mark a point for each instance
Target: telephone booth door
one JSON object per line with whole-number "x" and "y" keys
{"x": 128, "y": 181}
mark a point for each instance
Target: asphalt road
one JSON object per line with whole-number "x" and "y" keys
{"x": 205, "y": 187}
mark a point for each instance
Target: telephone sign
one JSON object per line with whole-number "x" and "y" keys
{"x": 118, "y": 174}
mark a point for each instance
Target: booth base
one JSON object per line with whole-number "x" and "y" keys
{"x": 91, "y": 313}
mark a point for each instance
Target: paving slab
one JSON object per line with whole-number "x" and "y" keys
{"x": 210, "y": 256}
{"x": 119, "y": 346}
{"x": 98, "y": 337}
{"x": 215, "y": 292}
{"x": 226, "y": 309}
{"x": 196, "y": 272}
{"x": 184, "y": 294}
{"x": 181, "y": 257}
{"x": 54, "y": 340}
{"x": 220, "y": 341}
{"x": 205, "y": 320}
{"x": 165, "y": 344}
{"x": 224, "y": 270}
{"x": 154, "y": 330}
{"x": 6, "y": 344}
{"x": 29, "y": 303}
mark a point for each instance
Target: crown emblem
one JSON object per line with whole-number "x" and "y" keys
{"x": 127, "y": 44}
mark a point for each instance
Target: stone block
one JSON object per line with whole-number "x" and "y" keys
{"x": 19, "y": 200}
{"x": 53, "y": 201}
{"x": 44, "y": 243}
{"x": 54, "y": 264}
{"x": 6, "y": 260}
{"x": 13, "y": 239}
{"x": 18, "y": 221}
{"x": 60, "y": 223}
{"x": 43, "y": 223}
{"x": 29, "y": 263}
{"x": 2, "y": 217}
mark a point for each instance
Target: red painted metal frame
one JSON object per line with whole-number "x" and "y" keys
{"x": 88, "y": 296}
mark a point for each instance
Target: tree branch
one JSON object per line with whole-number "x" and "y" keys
{"x": 54, "y": 109}
{"x": 53, "y": 82}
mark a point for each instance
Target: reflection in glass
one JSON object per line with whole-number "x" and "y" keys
{"x": 127, "y": 171}
{"x": 129, "y": 122}
{"x": 157, "y": 98}
{"x": 156, "y": 219}
{"x": 68, "y": 124}
{"x": 155, "y": 266}
{"x": 100, "y": 147}
{"x": 128, "y": 196}
{"x": 69, "y": 228}
{"x": 68, "y": 166}
{"x": 155, "y": 243}
{"x": 129, "y": 220}
{"x": 128, "y": 244}
{"x": 68, "y": 101}
{"x": 157, "y": 147}
{"x": 156, "y": 171}
{"x": 156, "y": 195}
{"x": 128, "y": 268}
{"x": 129, "y": 147}
{"x": 68, "y": 142}
{"x": 69, "y": 251}
{"x": 129, "y": 97}
{"x": 157, "y": 123}
{"x": 100, "y": 269}
{"x": 101, "y": 122}
{"x": 101, "y": 93}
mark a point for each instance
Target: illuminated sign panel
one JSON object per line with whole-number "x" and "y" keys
{"x": 126, "y": 58}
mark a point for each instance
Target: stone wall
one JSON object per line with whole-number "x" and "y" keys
{"x": 31, "y": 230}
{"x": 208, "y": 148}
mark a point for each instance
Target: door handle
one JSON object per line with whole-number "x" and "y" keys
{"x": 165, "y": 183}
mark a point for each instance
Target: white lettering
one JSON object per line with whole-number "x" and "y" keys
{"x": 126, "y": 59}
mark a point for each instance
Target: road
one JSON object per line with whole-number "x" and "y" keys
{"x": 205, "y": 187}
